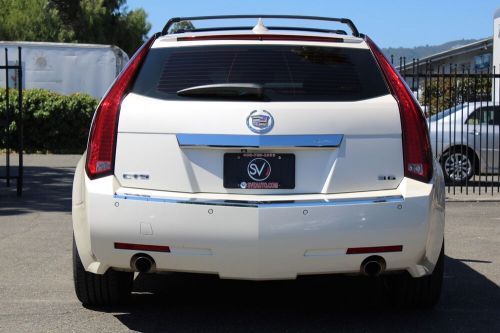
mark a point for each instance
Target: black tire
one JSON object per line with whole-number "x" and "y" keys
{"x": 110, "y": 288}
{"x": 459, "y": 165}
{"x": 421, "y": 292}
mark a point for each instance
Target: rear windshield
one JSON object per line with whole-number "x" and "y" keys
{"x": 287, "y": 72}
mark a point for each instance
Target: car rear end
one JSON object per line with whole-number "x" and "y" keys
{"x": 259, "y": 155}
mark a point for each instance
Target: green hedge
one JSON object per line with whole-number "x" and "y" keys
{"x": 53, "y": 123}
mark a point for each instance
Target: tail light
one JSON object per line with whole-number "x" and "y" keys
{"x": 102, "y": 139}
{"x": 417, "y": 152}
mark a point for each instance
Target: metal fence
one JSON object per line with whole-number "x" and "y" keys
{"x": 463, "y": 115}
{"x": 12, "y": 124}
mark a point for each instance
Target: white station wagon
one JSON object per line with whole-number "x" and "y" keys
{"x": 259, "y": 153}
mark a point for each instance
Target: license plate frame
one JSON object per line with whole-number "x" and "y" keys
{"x": 259, "y": 171}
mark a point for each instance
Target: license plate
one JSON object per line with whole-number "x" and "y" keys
{"x": 259, "y": 171}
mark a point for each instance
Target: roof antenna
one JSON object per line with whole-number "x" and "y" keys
{"x": 260, "y": 28}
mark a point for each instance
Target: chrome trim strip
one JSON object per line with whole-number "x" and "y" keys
{"x": 258, "y": 141}
{"x": 265, "y": 204}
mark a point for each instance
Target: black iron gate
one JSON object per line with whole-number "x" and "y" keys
{"x": 12, "y": 124}
{"x": 463, "y": 115}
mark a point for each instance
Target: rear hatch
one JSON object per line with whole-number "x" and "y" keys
{"x": 323, "y": 122}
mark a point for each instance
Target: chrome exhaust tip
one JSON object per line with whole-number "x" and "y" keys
{"x": 142, "y": 263}
{"x": 373, "y": 266}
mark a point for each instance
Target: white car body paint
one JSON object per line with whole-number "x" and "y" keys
{"x": 340, "y": 200}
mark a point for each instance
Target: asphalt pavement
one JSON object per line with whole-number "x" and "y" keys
{"x": 36, "y": 287}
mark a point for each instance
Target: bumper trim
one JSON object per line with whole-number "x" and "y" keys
{"x": 264, "y": 204}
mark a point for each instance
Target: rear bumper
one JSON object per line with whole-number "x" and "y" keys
{"x": 248, "y": 239}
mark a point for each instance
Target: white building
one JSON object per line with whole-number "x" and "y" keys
{"x": 475, "y": 57}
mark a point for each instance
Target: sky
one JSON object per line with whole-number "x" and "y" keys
{"x": 388, "y": 23}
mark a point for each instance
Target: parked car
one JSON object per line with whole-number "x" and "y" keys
{"x": 465, "y": 139}
{"x": 260, "y": 154}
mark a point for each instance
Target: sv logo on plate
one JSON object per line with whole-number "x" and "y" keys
{"x": 259, "y": 169}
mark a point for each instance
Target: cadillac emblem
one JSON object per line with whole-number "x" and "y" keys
{"x": 260, "y": 121}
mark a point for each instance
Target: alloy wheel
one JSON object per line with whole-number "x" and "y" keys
{"x": 458, "y": 167}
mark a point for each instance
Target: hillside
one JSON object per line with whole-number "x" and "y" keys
{"x": 419, "y": 52}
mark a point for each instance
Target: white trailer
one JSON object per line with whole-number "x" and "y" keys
{"x": 65, "y": 68}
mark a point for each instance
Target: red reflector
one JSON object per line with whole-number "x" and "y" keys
{"x": 374, "y": 249}
{"x": 142, "y": 247}
{"x": 263, "y": 37}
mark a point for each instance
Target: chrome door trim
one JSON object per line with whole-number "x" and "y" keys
{"x": 259, "y": 141}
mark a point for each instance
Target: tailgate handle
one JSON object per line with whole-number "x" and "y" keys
{"x": 259, "y": 141}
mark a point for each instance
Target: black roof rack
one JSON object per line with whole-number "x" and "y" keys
{"x": 174, "y": 20}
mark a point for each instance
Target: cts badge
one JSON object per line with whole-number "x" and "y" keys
{"x": 136, "y": 176}
{"x": 260, "y": 121}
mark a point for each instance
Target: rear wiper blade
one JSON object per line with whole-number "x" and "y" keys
{"x": 225, "y": 90}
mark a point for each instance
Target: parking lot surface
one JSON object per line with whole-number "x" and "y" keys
{"x": 36, "y": 291}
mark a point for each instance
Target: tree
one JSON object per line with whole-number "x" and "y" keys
{"x": 182, "y": 26}
{"x": 443, "y": 93}
{"x": 103, "y": 21}
{"x": 82, "y": 21}
{"x": 29, "y": 20}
